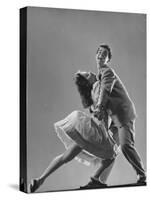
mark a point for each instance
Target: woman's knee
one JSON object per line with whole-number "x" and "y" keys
{"x": 66, "y": 158}
{"x": 59, "y": 158}
{"x": 71, "y": 153}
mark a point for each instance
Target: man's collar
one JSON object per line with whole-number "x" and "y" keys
{"x": 103, "y": 68}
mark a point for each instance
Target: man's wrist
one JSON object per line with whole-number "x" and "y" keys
{"x": 100, "y": 106}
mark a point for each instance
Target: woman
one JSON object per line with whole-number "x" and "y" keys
{"x": 85, "y": 137}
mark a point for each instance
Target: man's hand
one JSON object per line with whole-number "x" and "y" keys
{"x": 99, "y": 113}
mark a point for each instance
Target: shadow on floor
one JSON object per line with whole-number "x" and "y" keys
{"x": 14, "y": 186}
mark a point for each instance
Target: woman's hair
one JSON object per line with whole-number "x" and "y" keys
{"x": 84, "y": 87}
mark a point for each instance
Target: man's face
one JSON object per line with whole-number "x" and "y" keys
{"x": 102, "y": 56}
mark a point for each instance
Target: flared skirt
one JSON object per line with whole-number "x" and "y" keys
{"x": 96, "y": 142}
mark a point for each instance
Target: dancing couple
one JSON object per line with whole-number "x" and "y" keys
{"x": 97, "y": 137}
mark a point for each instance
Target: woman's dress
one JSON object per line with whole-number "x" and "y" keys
{"x": 90, "y": 134}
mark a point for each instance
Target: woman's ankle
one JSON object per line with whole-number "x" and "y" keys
{"x": 41, "y": 180}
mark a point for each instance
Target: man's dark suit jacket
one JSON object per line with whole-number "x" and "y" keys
{"x": 110, "y": 92}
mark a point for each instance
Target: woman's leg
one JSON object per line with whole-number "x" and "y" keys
{"x": 105, "y": 168}
{"x": 103, "y": 171}
{"x": 57, "y": 162}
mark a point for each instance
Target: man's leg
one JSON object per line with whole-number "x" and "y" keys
{"x": 127, "y": 141}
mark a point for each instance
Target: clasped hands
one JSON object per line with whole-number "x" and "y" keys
{"x": 99, "y": 112}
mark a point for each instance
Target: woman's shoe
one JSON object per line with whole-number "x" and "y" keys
{"x": 35, "y": 185}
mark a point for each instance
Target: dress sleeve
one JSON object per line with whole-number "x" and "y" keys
{"x": 108, "y": 80}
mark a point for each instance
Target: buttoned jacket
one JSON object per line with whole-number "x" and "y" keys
{"x": 110, "y": 92}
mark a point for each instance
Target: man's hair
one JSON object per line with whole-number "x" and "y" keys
{"x": 105, "y": 46}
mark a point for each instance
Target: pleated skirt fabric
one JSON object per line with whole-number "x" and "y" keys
{"x": 84, "y": 130}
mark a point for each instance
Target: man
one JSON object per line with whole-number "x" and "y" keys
{"x": 111, "y": 96}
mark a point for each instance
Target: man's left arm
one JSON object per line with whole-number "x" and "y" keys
{"x": 108, "y": 79}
